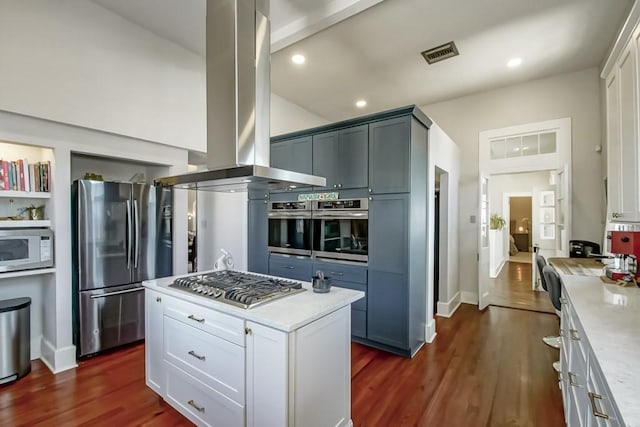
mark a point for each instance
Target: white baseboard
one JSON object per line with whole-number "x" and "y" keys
{"x": 430, "y": 331}
{"x": 468, "y": 297}
{"x": 446, "y": 309}
{"x": 498, "y": 270}
{"x": 58, "y": 359}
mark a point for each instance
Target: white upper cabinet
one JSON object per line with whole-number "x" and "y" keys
{"x": 623, "y": 121}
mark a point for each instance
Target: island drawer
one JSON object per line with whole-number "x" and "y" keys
{"x": 221, "y": 325}
{"x": 290, "y": 267}
{"x": 201, "y": 404}
{"x": 216, "y": 362}
{"x": 598, "y": 390}
{"x": 342, "y": 272}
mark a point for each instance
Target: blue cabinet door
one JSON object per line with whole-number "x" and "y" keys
{"x": 387, "y": 309}
{"x": 293, "y": 154}
{"x": 353, "y": 159}
{"x": 257, "y": 237}
{"x": 290, "y": 267}
{"x": 325, "y": 158}
{"x": 389, "y": 233}
{"x": 390, "y": 155}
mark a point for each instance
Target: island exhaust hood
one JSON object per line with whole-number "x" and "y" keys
{"x": 238, "y": 72}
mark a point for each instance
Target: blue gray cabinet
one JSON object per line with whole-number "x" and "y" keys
{"x": 387, "y": 309}
{"x": 257, "y": 238}
{"x": 390, "y": 156}
{"x": 342, "y": 157}
{"x": 293, "y": 154}
{"x": 290, "y": 267}
{"x": 350, "y": 277}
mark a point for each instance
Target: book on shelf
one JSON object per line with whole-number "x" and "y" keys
{"x": 20, "y": 175}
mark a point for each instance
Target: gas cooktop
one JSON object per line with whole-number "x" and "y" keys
{"x": 243, "y": 290}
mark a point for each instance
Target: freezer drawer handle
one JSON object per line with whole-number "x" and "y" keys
{"x": 197, "y": 356}
{"x": 192, "y": 317}
{"x": 110, "y": 294}
{"x": 195, "y": 405}
{"x": 574, "y": 334}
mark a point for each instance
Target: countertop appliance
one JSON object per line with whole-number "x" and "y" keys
{"x": 625, "y": 247}
{"x": 238, "y": 40}
{"x": 25, "y": 249}
{"x": 240, "y": 289}
{"x": 122, "y": 235}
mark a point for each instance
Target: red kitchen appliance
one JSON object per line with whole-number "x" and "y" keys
{"x": 625, "y": 247}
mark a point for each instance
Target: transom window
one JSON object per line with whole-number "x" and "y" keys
{"x": 523, "y": 145}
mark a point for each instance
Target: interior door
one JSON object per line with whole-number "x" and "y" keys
{"x": 104, "y": 234}
{"x": 484, "y": 286}
{"x": 544, "y": 227}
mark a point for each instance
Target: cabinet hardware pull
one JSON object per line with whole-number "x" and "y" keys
{"x": 197, "y": 356}
{"x": 615, "y": 215}
{"x": 192, "y": 317}
{"x": 562, "y": 332}
{"x": 574, "y": 334}
{"x": 248, "y": 331}
{"x": 370, "y": 191}
{"x": 571, "y": 382}
{"x": 563, "y": 300}
{"x": 289, "y": 267}
{"x": 195, "y": 405}
{"x": 337, "y": 273}
{"x": 339, "y": 185}
{"x": 370, "y": 198}
{"x": 335, "y": 185}
{"x": 158, "y": 299}
{"x": 592, "y": 398}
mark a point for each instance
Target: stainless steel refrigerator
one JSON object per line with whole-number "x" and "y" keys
{"x": 122, "y": 235}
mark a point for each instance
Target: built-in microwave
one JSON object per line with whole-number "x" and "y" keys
{"x": 25, "y": 248}
{"x": 341, "y": 229}
{"x": 290, "y": 228}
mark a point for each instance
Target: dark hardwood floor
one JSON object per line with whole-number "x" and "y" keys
{"x": 512, "y": 288}
{"x": 487, "y": 368}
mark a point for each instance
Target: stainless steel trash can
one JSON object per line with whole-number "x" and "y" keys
{"x": 15, "y": 339}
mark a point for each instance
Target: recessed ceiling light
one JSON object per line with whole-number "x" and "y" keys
{"x": 361, "y": 103}
{"x": 298, "y": 59}
{"x": 514, "y": 62}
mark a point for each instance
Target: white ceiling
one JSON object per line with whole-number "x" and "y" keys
{"x": 371, "y": 48}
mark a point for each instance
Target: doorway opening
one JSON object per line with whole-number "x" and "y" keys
{"x": 519, "y": 224}
{"x": 436, "y": 245}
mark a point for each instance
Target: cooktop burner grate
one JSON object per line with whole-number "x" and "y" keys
{"x": 244, "y": 290}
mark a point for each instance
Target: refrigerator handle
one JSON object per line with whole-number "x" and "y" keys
{"x": 136, "y": 220}
{"x": 129, "y": 234}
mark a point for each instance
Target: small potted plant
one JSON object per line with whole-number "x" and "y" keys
{"x": 33, "y": 212}
{"x": 496, "y": 222}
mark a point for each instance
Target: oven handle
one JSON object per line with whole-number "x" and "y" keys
{"x": 289, "y": 215}
{"x": 127, "y": 291}
{"x": 341, "y": 215}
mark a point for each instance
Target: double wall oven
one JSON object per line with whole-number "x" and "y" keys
{"x": 334, "y": 230}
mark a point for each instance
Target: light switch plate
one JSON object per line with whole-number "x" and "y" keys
{"x": 472, "y": 219}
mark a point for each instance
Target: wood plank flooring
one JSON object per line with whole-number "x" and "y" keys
{"x": 487, "y": 368}
{"x": 512, "y": 288}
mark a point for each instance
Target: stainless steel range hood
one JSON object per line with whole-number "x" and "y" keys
{"x": 238, "y": 97}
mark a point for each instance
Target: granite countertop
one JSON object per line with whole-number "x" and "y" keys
{"x": 286, "y": 314}
{"x": 610, "y": 317}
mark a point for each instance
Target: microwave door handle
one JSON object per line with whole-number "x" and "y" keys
{"x": 136, "y": 222}
{"x": 129, "y": 234}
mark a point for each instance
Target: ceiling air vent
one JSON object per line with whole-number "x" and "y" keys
{"x": 440, "y": 53}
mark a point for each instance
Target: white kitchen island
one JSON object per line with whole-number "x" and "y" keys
{"x": 284, "y": 363}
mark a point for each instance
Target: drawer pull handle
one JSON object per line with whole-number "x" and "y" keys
{"x": 563, "y": 300}
{"x": 248, "y": 331}
{"x": 592, "y": 398}
{"x": 195, "y": 405}
{"x": 571, "y": 377}
{"x": 337, "y": 273}
{"x": 574, "y": 334}
{"x": 289, "y": 267}
{"x": 197, "y": 356}
{"x": 158, "y": 299}
{"x": 562, "y": 332}
{"x": 192, "y": 317}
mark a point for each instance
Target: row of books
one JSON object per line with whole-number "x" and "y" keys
{"x": 19, "y": 175}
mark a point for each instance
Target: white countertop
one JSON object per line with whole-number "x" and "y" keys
{"x": 610, "y": 317}
{"x": 286, "y": 314}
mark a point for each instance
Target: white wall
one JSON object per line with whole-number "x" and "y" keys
{"x": 444, "y": 155}
{"x": 513, "y": 183}
{"x": 289, "y": 117}
{"x": 575, "y": 95}
{"x": 72, "y": 61}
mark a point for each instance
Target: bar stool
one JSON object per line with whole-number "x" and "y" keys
{"x": 551, "y": 341}
{"x": 553, "y": 282}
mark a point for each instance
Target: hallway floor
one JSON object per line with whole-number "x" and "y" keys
{"x": 512, "y": 288}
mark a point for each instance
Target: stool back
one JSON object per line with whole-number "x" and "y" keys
{"x": 553, "y": 282}
{"x": 541, "y": 263}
